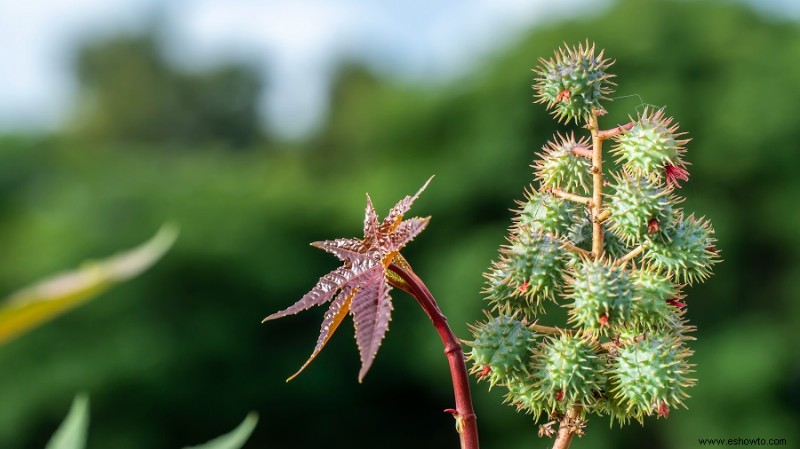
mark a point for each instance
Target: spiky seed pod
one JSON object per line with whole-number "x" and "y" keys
{"x": 639, "y": 208}
{"x": 685, "y": 251}
{"x": 523, "y": 394}
{"x": 527, "y": 274}
{"x": 652, "y": 144}
{"x": 545, "y": 213}
{"x": 573, "y": 83}
{"x": 569, "y": 370}
{"x": 560, "y": 167}
{"x": 653, "y": 308}
{"x": 580, "y": 234}
{"x": 501, "y": 349}
{"x": 651, "y": 375}
{"x": 602, "y": 297}
{"x": 607, "y": 402}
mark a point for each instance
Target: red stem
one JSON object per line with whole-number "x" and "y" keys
{"x": 466, "y": 421}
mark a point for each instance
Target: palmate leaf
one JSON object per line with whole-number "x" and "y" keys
{"x": 328, "y": 285}
{"x": 360, "y": 285}
{"x": 333, "y": 318}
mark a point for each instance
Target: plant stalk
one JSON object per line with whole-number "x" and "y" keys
{"x": 566, "y": 428}
{"x": 466, "y": 421}
{"x": 569, "y": 422}
{"x": 597, "y": 187}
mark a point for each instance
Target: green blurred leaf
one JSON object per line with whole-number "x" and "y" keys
{"x": 38, "y": 303}
{"x": 236, "y": 438}
{"x": 72, "y": 432}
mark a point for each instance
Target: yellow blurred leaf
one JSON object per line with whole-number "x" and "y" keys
{"x": 46, "y": 299}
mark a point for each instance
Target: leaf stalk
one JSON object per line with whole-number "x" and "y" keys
{"x": 464, "y": 414}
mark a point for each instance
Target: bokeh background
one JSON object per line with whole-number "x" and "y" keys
{"x": 261, "y": 132}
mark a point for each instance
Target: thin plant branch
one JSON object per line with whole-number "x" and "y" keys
{"x": 634, "y": 252}
{"x": 570, "y": 196}
{"x": 609, "y": 133}
{"x": 582, "y": 151}
{"x": 570, "y": 247}
{"x": 550, "y": 330}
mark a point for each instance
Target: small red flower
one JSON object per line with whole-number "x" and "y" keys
{"x": 652, "y": 226}
{"x": 484, "y": 371}
{"x": 603, "y": 319}
{"x": 663, "y": 410}
{"x": 675, "y": 302}
{"x": 673, "y": 173}
{"x": 524, "y": 287}
{"x": 559, "y": 395}
{"x": 564, "y": 95}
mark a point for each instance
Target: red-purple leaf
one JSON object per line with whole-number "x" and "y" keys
{"x": 344, "y": 249}
{"x": 371, "y": 310}
{"x": 333, "y": 318}
{"x": 361, "y": 281}
{"x": 396, "y": 213}
{"x": 406, "y": 231}
{"x": 327, "y": 286}
{"x": 371, "y": 224}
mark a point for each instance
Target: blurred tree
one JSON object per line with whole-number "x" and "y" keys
{"x": 131, "y": 93}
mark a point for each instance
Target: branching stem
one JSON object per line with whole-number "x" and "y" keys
{"x": 570, "y": 247}
{"x": 634, "y": 252}
{"x": 609, "y": 133}
{"x": 550, "y": 330}
{"x": 582, "y": 151}
{"x": 570, "y": 196}
{"x": 466, "y": 421}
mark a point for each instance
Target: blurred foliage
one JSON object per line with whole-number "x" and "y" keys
{"x": 46, "y": 299}
{"x": 72, "y": 433}
{"x": 180, "y": 354}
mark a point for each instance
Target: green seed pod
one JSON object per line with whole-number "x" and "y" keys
{"x": 602, "y": 296}
{"x": 651, "y": 375}
{"x": 685, "y": 251}
{"x": 656, "y": 304}
{"x": 501, "y": 349}
{"x": 574, "y": 83}
{"x": 528, "y": 273}
{"x": 559, "y": 166}
{"x": 546, "y": 213}
{"x": 569, "y": 370}
{"x": 639, "y": 208}
{"x": 650, "y": 145}
{"x": 608, "y": 403}
{"x": 523, "y": 394}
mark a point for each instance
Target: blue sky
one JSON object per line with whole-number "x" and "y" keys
{"x": 295, "y": 42}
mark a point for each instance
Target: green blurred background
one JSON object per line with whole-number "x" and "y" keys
{"x": 178, "y": 355}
